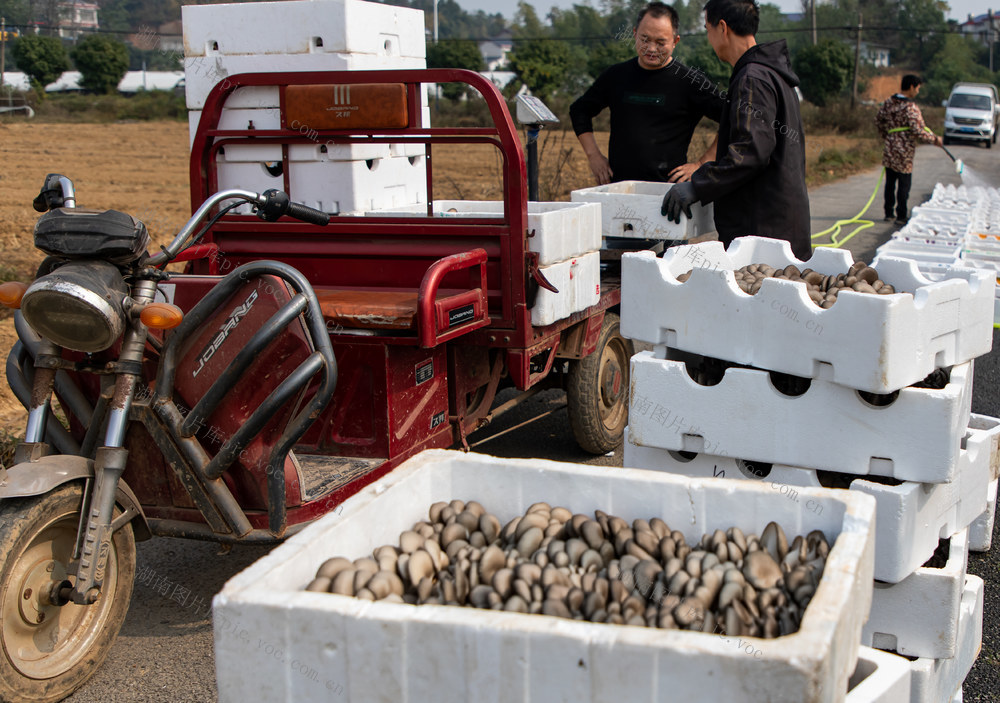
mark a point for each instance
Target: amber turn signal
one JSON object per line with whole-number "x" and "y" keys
{"x": 11, "y": 293}
{"x": 161, "y": 316}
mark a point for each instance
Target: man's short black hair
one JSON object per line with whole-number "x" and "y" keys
{"x": 742, "y": 16}
{"x": 659, "y": 9}
{"x": 910, "y": 80}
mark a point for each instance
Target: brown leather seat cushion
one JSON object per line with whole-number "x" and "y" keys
{"x": 366, "y": 309}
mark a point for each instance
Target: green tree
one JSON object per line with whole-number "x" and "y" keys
{"x": 824, "y": 70}
{"x": 696, "y": 52}
{"x": 607, "y": 54}
{"x": 102, "y": 62}
{"x": 958, "y": 59}
{"x": 42, "y": 58}
{"x": 542, "y": 65}
{"x": 454, "y": 54}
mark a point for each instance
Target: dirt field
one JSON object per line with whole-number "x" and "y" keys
{"x": 142, "y": 168}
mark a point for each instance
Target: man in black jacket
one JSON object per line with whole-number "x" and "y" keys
{"x": 655, "y": 103}
{"x": 757, "y": 181}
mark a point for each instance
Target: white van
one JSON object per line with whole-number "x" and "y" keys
{"x": 972, "y": 113}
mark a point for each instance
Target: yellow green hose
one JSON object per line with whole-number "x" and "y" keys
{"x": 839, "y": 224}
{"x": 862, "y": 224}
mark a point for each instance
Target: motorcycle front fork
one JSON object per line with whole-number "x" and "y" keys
{"x": 97, "y": 526}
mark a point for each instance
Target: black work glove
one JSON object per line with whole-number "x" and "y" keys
{"x": 679, "y": 198}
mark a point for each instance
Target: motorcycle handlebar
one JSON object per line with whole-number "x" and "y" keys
{"x": 271, "y": 202}
{"x": 308, "y": 214}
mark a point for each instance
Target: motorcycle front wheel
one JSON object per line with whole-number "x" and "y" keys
{"x": 48, "y": 650}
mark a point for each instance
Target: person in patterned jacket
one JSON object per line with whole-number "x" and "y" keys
{"x": 901, "y": 126}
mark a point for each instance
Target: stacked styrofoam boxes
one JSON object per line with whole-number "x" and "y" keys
{"x": 930, "y": 461}
{"x": 306, "y": 35}
{"x": 980, "y": 245}
{"x": 631, "y": 210}
{"x": 566, "y": 237}
{"x": 931, "y": 235}
{"x": 332, "y": 645}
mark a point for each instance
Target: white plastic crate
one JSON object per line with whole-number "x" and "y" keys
{"x": 556, "y": 231}
{"x": 936, "y": 594}
{"x": 578, "y": 281}
{"x": 631, "y": 210}
{"x": 276, "y": 642}
{"x": 202, "y": 73}
{"x": 877, "y": 343}
{"x": 935, "y": 680}
{"x": 879, "y": 678}
{"x": 912, "y": 517}
{"x": 981, "y": 529}
{"x": 302, "y": 27}
{"x": 829, "y": 427}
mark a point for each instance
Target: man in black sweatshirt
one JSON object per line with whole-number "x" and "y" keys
{"x": 757, "y": 180}
{"x": 655, "y": 103}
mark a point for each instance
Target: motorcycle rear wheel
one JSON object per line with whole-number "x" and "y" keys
{"x": 49, "y": 651}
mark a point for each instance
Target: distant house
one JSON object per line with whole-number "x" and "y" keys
{"x": 495, "y": 52}
{"x": 875, "y": 54}
{"x": 978, "y": 27}
{"x": 77, "y": 17}
{"x": 172, "y": 37}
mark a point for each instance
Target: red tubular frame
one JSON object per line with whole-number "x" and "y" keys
{"x": 431, "y": 311}
{"x": 414, "y": 243}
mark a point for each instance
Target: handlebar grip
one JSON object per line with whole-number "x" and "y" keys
{"x": 307, "y": 214}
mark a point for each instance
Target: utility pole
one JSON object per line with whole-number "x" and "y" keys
{"x": 3, "y": 48}
{"x": 989, "y": 15}
{"x": 857, "y": 63}
{"x": 435, "y": 21}
{"x": 813, "y": 13}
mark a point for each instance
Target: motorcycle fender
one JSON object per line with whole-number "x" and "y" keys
{"x": 32, "y": 478}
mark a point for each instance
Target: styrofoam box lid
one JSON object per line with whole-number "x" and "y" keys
{"x": 293, "y": 27}
{"x": 404, "y": 652}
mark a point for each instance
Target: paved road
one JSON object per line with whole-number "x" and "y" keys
{"x": 164, "y": 653}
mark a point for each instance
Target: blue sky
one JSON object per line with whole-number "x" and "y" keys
{"x": 959, "y": 8}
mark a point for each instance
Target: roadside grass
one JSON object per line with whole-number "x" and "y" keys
{"x": 80, "y": 107}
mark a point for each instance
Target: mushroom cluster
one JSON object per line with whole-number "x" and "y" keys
{"x": 598, "y": 569}
{"x": 822, "y": 289}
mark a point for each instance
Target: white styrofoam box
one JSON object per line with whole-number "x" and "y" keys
{"x": 985, "y": 422}
{"x": 879, "y": 678}
{"x": 631, "y": 210}
{"x": 578, "y": 281}
{"x": 936, "y": 594}
{"x": 981, "y": 529}
{"x": 877, "y": 343}
{"x": 919, "y": 251}
{"x": 556, "y": 231}
{"x": 202, "y": 73}
{"x": 310, "y": 27}
{"x": 931, "y": 270}
{"x": 915, "y": 438}
{"x": 382, "y": 651}
{"x": 934, "y": 680}
{"x": 333, "y": 186}
{"x": 912, "y": 516}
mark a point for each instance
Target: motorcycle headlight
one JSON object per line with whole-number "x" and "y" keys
{"x": 78, "y": 306}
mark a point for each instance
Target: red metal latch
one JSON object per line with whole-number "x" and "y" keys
{"x": 536, "y": 273}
